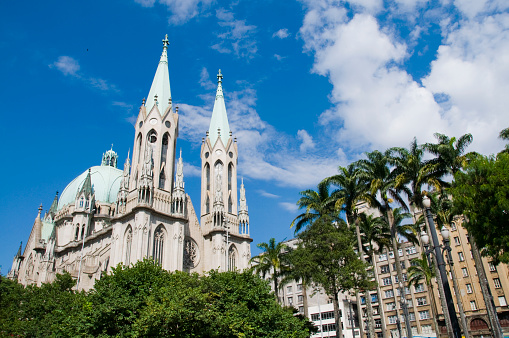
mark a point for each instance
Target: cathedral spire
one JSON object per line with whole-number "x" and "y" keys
{"x": 38, "y": 227}
{"x": 160, "y": 92}
{"x": 19, "y": 250}
{"x": 54, "y": 205}
{"x": 87, "y": 186}
{"x": 219, "y": 126}
{"x": 243, "y": 215}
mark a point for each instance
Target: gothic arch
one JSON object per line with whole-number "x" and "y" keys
{"x": 160, "y": 237}
{"x": 206, "y": 170}
{"x": 128, "y": 241}
{"x": 165, "y": 141}
{"x": 138, "y": 152}
{"x": 230, "y": 175}
{"x": 478, "y": 324}
{"x": 152, "y": 136}
{"x": 233, "y": 258}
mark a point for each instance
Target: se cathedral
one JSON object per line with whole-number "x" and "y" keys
{"x": 107, "y": 216}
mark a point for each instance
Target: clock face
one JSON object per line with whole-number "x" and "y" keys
{"x": 219, "y": 152}
{"x": 153, "y": 121}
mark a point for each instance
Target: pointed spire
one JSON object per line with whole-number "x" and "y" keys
{"x": 242, "y": 200}
{"x": 38, "y": 227}
{"x": 219, "y": 126}
{"x": 160, "y": 92}
{"x": 53, "y": 208}
{"x": 19, "y": 250}
{"x": 87, "y": 186}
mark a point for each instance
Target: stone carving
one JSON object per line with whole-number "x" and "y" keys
{"x": 191, "y": 254}
{"x": 218, "y": 197}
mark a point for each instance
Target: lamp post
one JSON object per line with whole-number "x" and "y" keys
{"x": 445, "y": 237}
{"x": 441, "y": 267}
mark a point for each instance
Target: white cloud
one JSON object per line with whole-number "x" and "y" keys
{"x": 70, "y": 66}
{"x": 282, "y": 33}
{"x": 292, "y": 207}
{"x": 307, "y": 140}
{"x": 236, "y": 37}
{"x": 377, "y": 104}
{"x": 191, "y": 170}
{"x": 266, "y": 154}
{"x": 67, "y": 65}
{"x": 181, "y": 10}
{"x": 205, "y": 81}
{"x": 279, "y": 57}
{"x": 267, "y": 194}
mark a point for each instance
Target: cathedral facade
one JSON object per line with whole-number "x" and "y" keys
{"x": 107, "y": 216}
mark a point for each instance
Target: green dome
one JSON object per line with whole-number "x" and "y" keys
{"x": 105, "y": 181}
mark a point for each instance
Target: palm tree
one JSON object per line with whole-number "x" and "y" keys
{"x": 316, "y": 203}
{"x": 351, "y": 190}
{"x": 413, "y": 172}
{"x": 271, "y": 261}
{"x": 450, "y": 152}
{"x": 382, "y": 192}
{"x": 420, "y": 270}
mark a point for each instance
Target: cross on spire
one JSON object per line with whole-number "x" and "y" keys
{"x": 165, "y": 41}
{"x": 219, "y": 77}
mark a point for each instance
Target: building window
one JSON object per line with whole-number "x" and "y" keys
{"x": 391, "y": 306}
{"x": 421, "y": 301}
{"x": 299, "y": 287}
{"x": 382, "y": 257}
{"x": 453, "y": 226}
{"x": 496, "y": 281}
{"x": 301, "y": 309}
{"x": 419, "y": 288}
{"x": 77, "y": 234}
{"x": 386, "y": 281}
{"x": 290, "y": 300}
{"x": 300, "y": 299}
{"x": 393, "y": 319}
{"x": 465, "y": 272}
{"x": 328, "y": 315}
{"x": 460, "y": 256}
{"x": 158, "y": 246}
{"x": 378, "y": 323}
{"x": 328, "y": 327}
{"x": 384, "y": 269}
{"x": 469, "y": 288}
{"x": 230, "y": 173}
{"x": 389, "y": 294}
{"x": 207, "y": 175}
{"x": 402, "y": 264}
{"x": 501, "y": 301}
{"x": 424, "y": 314}
{"x": 492, "y": 267}
{"x": 473, "y": 306}
{"x": 315, "y": 317}
{"x": 457, "y": 240}
{"x": 411, "y": 250}
{"x": 400, "y": 252}
{"x": 411, "y": 316}
{"x": 426, "y": 329}
{"x": 289, "y": 290}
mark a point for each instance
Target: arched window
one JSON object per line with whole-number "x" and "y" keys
{"x": 207, "y": 205}
{"x": 232, "y": 259}
{"x": 230, "y": 173}
{"x": 159, "y": 245}
{"x": 81, "y": 202}
{"x": 230, "y": 204}
{"x": 83, "y": 231}
{"x": 164, "y": 151}
{"x": 207, "y": 175}
{"x": 76, "y": 235}
{"x": 152, "y": 136}
{"x": 139, "y": 147}
{"x": 128, "y": 242}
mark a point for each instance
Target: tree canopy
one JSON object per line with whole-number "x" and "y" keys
{"x": 146, "y": 301}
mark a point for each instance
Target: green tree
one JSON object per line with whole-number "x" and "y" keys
{"x": 326, "y": 254}
{"x": 272, "y": 261}
{"x": 11, "y": 297}
{"x": 419, "y": 271}
{"x": 351, "y": 190}
{"x": 450, "y": 152}
{"x": 316, "y": 203}
{"x": 481, "y": 193}
{"x": 504, "y": 135}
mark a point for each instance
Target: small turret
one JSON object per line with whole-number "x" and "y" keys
{"x": 179, "y": 195}
{"x": 110, "y": 158}
{"x": 243, "y": 214}
{"x": 38, "y": 229}
{"x": 146, "y": 187}
{"x": 124, "y": 187}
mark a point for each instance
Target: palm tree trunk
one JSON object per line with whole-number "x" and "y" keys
{"x": 337, "y": 317}
{"x": 276, "y": 287}
{"x": 360, "y": 315}
{"x": 431, "y": 295}
{"x": 305, "y": 296}
{"x": 367, "y": 295}
{"x": 379, "y": 293}
{"x": 488, "y": 298}
{"x": 402, "y": 294}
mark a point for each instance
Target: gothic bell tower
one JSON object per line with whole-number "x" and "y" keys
{"x": 156, "y": 131}
{"x": 228, "y": 243}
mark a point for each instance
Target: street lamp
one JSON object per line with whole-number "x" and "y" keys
{"x": 441, "y": 267}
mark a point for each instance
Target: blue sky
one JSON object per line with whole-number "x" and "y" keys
{"x": 309, "y": 85}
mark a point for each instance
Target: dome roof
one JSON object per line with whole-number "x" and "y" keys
{"x": 105, "y": 182}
